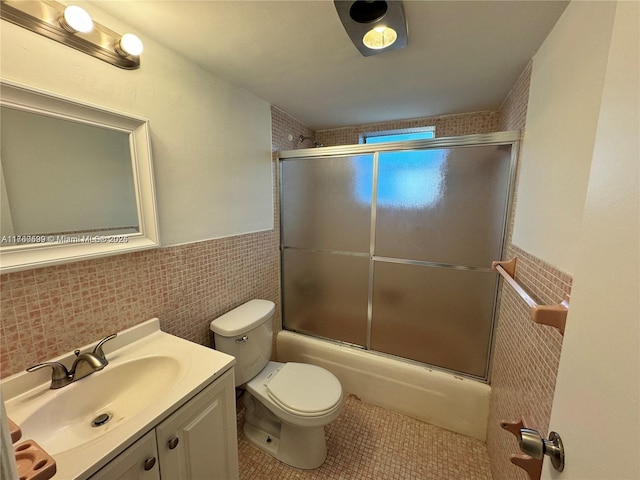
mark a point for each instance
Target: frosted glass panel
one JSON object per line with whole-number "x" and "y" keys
{"x": 443, "y": 205}
{"x": 446, "y": 205}
{"x": 440, "y": 316}
{"x": 326, "y": 203}
{"x": 326, "y": 294}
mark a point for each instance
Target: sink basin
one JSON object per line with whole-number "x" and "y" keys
{"x": 88, "y": 423}
{"x": 108, "y": 397}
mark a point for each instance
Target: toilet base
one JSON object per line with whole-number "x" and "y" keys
{"x": 300, "y": 447}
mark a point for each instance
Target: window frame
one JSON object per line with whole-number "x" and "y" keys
{"x": 401, "y": 131}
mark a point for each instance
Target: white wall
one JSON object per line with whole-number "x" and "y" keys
{"x": 564, "y": 102}
{"x": 211, "y": 140}
{"x": 596, "y": 408}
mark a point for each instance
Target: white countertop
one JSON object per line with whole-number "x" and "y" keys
{"x": 25, "y": 393}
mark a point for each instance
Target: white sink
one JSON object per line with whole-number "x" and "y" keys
{"x": 150, "y": 375}
{"x": 119, "y": 391}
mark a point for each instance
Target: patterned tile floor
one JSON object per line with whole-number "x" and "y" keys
{"x": 370, "y": 443}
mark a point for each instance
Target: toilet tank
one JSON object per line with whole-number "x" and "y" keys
{"x": 246, "y": 332}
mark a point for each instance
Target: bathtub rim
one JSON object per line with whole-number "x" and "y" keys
{"x": 445, "y": 399}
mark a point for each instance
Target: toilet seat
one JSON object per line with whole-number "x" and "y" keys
{"x": 305, "y": 390}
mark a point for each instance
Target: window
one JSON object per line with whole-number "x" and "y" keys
{"x": 412, "y": 179}
{"x": 399, "y": 135}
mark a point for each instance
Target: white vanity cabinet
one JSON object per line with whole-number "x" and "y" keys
{"x": 198, "y": 441}
{"x": 138, "y": 462}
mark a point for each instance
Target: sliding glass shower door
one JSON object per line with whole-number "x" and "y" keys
{"x": 325, "y": 234}
{"x": 391, "y": 250}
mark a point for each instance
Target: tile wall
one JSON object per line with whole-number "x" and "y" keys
{"x": 525, "y": 361}
{"x": 526, "y": 355}
{"x": 446, "y": 126}
{"x": 53, "y": 310}
{"x": 283, "y": 125}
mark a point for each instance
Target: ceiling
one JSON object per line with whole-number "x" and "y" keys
{"x": 462, "y": 56}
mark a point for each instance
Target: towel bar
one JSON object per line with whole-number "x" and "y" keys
{"x": 552, "y": 315}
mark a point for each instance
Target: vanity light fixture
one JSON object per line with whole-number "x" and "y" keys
{"x": 74, "y": 27}
{"x": 374, "y": 26}
{"x": 76, "y": 19}
{"x": 129, "y": 44}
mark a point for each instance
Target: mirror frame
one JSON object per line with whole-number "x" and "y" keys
{"x": 35, "y": 255}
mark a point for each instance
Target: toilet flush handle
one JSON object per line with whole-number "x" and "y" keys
{"x": 242, "y": 339}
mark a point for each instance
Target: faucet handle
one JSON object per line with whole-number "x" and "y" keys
{"x": 98, "y": 352}
{"x": 59, "y": 374}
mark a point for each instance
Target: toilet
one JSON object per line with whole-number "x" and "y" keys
{"x": 287, "y": 405}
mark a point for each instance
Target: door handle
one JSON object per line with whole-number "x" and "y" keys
{"x": 532, "y": 443}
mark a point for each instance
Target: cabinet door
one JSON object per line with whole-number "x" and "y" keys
{"x": 138, "y": 462}
{"x": 199, "y": 441}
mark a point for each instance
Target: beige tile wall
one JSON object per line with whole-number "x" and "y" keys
{"x": 525, "y": 355}
{"x": 525, "y": 361}
{"x": 446, "y": 126}
{"x": 512, "y": 115}
{"x": 283, "y": 125}
{"x": 52, "y": 310}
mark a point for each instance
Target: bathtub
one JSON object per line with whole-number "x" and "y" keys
{"x": 439, "y": 398}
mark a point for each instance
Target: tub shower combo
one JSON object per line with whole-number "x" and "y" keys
{"x": 388, "y": 247}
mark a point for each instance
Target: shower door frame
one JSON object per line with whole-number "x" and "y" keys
{"x": 498, "y": 138}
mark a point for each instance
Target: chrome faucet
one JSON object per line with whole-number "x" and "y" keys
{"x": 85, "y": 364}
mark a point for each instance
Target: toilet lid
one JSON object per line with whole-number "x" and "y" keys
{"x": 304, "y": 388}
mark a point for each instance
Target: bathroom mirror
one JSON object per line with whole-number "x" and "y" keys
{"x": 76, "y": 181}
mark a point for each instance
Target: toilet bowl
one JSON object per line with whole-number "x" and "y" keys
{"x": 298, "y": 393}
{"x": 287, "y": 405}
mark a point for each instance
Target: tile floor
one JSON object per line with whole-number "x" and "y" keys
{"x": 368, "y": 442}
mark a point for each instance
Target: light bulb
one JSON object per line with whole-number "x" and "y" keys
{"x": 76, "y": 19}
{"x": 379, "y": 38}
{"x": 129, "y": 44}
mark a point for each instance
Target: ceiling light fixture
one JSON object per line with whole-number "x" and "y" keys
{"x": 74, "y": 27}
{"x": 374, "y": 26}
{"x": 379, "y": 38}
